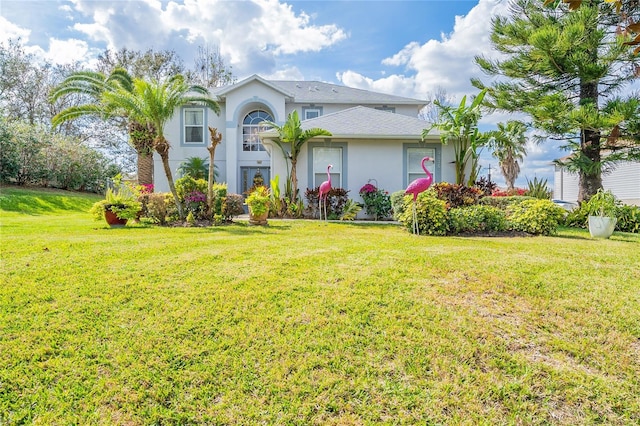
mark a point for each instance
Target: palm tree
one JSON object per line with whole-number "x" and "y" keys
{"x": 459, "y": 125}
{"x": 93, "y": 85}
{"x": 291, "y": 135}
{"x": 155, "y": 103}
{"x": 196, "y": 167}
{"x": 508, "y": 145}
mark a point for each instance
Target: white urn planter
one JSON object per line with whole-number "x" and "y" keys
{"x": 601, "y": 226}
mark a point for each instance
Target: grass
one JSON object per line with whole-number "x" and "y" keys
{"x": 304, "y": 322}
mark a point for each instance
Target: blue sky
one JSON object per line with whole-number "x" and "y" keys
{"x": 407, "y": 48}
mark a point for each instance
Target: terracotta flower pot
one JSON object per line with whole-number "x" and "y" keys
{"x": 113, "y": 220}
{"x": 258, "y": 219}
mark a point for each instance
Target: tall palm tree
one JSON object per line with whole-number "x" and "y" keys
{"x": 291, "y": 136}
{"x": 508, "y": 145}
{"x": 93, "y": 85}
{"x": 155, "y": 103}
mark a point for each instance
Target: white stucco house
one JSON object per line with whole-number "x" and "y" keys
{"x": 375, "y": 137}
{"x": 623, "y": 181}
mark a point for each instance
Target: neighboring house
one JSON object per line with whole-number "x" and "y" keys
{"x": 376, "y": 137}
{"x": 623, "y": 181}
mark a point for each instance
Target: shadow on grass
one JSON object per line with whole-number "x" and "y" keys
{"x": 582, "y": 234}
{"x": 243, "y": 228}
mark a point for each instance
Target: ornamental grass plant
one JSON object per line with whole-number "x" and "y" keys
{"x": 306, "y": 322}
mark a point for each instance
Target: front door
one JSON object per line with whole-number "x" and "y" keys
{"x": 250, "y": 176}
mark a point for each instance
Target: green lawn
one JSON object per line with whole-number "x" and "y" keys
{"x": 305, "y": 322}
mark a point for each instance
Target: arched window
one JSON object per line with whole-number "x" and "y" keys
{"x": 250, "y": 129}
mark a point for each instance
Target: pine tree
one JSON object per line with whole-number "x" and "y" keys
{"x": 564, "y": 68}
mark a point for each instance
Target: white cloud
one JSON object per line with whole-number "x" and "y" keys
{"x": 67, "y": 51}
{"x": 287, "y": 73}
{"x": 447, "y": 63}
{"x": 250, "y": 34}
{"x": 9, "y": 30}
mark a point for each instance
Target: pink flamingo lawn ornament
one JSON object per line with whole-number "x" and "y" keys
{"x": 323, "y": 193}
{"x": 416, "y": 187}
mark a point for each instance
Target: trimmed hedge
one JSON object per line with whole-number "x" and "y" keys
{"x": 478, "y": 218}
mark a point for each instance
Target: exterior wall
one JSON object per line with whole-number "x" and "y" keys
{"x": 378, "y": 161}
{"x": 179, "y": 152}
{"x": 381, "y": 160}
{"x": 239, "y": 103}
{"x": 229, "y": 157}
{"x": 624, "y": 182}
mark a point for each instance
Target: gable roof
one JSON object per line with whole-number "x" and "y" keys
{"x": 319, "y": 92}
{"x": 365, "y": 123}
{"x": 222, "y": 92}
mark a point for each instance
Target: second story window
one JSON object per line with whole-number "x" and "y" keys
{"x": 193, "y": 125}
{"x": 311, "y": 112}
{"x": 251, "y": 127}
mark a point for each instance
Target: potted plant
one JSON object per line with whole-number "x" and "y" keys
{"x": 259, "y": 201}
{"x": 119, "y": 205}
{"x": 602, "y": 211}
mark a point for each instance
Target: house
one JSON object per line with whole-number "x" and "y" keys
{"x": 623, "y": 181}
{"x": 375, "y": 137}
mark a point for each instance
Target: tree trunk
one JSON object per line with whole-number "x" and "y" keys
{"x": 590, "y": 178}
{"x": 216, "y": 138}
{"x": 142, "y": 138}
{"x": 591, "y": 175}
{"x": 212, "y": 155}
{"x": 145, "y": 168}
{"x": 162, "y": 147}
{"x": 294, "y": 180}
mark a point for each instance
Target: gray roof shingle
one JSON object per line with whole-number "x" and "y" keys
{"x": 317, "y": 92}
{"x": 363, "y": 122}
{"x": 327, "y": 93}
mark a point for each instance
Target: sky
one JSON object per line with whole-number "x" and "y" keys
{"x": 409, "y": 48}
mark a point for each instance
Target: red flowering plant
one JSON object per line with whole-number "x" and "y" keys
{"x": 376, "y": 201}
{"x": 196, "y": 203}
{"x": 509, "y": 193}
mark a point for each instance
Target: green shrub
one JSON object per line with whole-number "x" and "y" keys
{"x": 186, "y": 185}
{"x": 503, "y": 202}
{"x": 478, "y": 218}
{"x": 219, "y": 193}
{"x": 431, "y": 212}
{"x": 538, "y": 217}
{"x": 577, "y": 218}
{"x": 628, "y": 219}
{"x": 398, "y": 203}
{"x": 157, "y": 206}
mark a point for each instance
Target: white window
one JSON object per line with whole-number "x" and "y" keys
{"x": 251, "y": 127}
{"x": 414, "y": 162}
{"x": 311, "y": 113}
{"x": 322, "y": 157}
{"x": 193, "y": 126}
